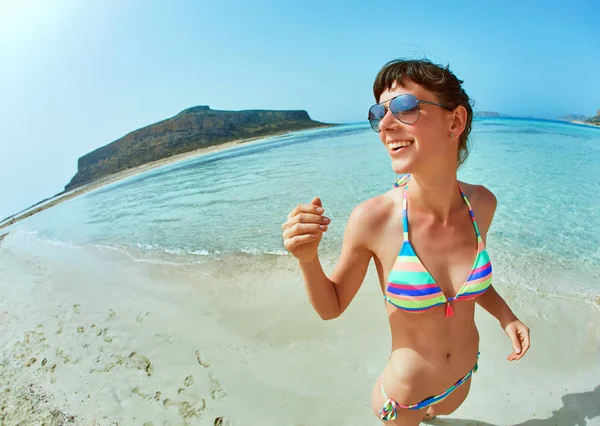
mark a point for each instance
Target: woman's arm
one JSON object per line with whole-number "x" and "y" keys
{"x": 484, "y": 205}
{"x": 491, "y": 301}
{"x": 331, "y": 296}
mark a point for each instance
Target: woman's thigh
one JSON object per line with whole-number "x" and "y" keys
{"x": 454, "y": 400}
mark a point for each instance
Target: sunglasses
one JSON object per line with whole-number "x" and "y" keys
{"x": 406, "y": 108}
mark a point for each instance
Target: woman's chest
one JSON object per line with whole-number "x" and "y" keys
{"x": 447, "y": 252}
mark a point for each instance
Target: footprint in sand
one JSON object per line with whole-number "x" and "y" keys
{"x": 106, "y": 338}
{"x": 103, "y": 332}
{"x": 76, "y": 308}
{"x": 187, "y": 410}
{"x": 133, "y": 361}
{"x": 142, "y": 317}
{"x": 186, "y": 392}
{"x": 222, "y": 421}
{"x": 48, "y": 368}
{"x": 33, "y": 342}
{"x": 217, "y": 393}
{"x": 111, "y": 313}
{"x": 191, "y": 407}
{"x": 142, "y": 395}
{"x": 146, "y": 396}
{"x": 140, "y": 362}
{"x": 166, "y": 337}
{"x": 61, "y": 353}
{"x": 201, "y": 357}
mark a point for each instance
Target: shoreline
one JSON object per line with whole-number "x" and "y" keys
{"x": 584, "y": 123}
{"x": 61, "y": 197}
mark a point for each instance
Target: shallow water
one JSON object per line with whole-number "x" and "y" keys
{"x": 544, "y": 242}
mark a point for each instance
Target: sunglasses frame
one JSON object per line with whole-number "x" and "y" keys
{"x": 417, "y": 106}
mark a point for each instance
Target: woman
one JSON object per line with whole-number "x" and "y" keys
{"x": 428, "y": 247}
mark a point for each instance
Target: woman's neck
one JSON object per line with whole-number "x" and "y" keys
{"x": 435, "y": 193}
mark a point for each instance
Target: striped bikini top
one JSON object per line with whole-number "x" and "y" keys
{"x": 412, "y": 288}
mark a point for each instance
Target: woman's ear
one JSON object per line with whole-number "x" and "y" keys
{"x": 459, "y": 120}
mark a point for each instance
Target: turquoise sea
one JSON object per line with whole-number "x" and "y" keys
{"x": 544, "y": 242}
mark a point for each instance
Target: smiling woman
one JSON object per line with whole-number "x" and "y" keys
{"x": 423, "y": 117}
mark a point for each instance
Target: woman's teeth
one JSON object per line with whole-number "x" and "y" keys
{"x": 396, "y": 145}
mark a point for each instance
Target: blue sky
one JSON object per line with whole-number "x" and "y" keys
{"x": 76, "y": 75}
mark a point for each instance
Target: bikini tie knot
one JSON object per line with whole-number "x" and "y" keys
{"x": 388, "y": 411}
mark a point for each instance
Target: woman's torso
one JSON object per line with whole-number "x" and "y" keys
{"x": 429, "y": 350}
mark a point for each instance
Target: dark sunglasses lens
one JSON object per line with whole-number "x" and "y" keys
{"x": 376, "y": 113}
{"x": 405, "y": 108}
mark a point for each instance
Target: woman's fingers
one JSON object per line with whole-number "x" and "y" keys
{"x": 519, "y": 336}
{"x": 305, "y": 224}
{"x": 294, "y": 242}
{"x": 526, "y": 341}
{"x": 306, "y": 218}
{"x": 302, "y": 229}
{"x": 523, "y": 335}
{"x": 305, "y": 208}
{"x": 512, "y": 334}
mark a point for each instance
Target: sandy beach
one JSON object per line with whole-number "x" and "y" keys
{"x": 585, "y": 123}
{"x": 98, "y": 337}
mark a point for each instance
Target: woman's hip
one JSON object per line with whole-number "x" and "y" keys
{"x": 394, "y": 394}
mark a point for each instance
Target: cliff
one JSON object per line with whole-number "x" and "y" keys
{"x": 191, "y": 129}
{"x": 582, "y": 119}
{"x": 594, "y": 120}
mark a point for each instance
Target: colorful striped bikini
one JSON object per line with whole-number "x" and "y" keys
{"x": 412, "y": 288}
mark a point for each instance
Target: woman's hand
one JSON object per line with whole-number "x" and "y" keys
{"x": 519, "y": 336}
{"x": 303, "y": 230}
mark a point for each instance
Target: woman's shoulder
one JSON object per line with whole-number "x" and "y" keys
{"x": 376, "y": 210}
{"x": 483, "y": 201}
{"x": 478, "y": 194}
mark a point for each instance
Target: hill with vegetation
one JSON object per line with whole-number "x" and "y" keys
{"x": 573, "y": 117}
{"x": 582, "y": 119}
{"x": 191, "y": 129}
{"x": 594, "y": 120}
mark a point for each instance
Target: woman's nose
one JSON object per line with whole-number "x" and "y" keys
{"x": 388, "y": 120}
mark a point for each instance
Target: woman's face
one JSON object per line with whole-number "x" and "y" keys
{"x": 423, "y": 145}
